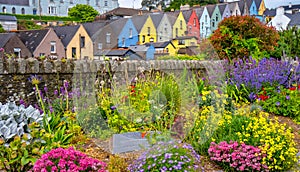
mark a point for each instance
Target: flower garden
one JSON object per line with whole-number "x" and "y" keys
{"x": 233, "y": 117}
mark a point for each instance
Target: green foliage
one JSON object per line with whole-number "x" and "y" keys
{"x": 27, "y": 25}
{"x": 243, "y": 36}
{"x": 117, "y": 164}
{"x": 41, "y": 18}
{"x": 1, "y": 29}
{"x": 289, "y": 43}
{"x": 20, "y": 154}
{"x": 283, "y": 101}
{"x": 175, "y": 4}
{"x": 85, "y": 13}
{"x": 238, "y": 94}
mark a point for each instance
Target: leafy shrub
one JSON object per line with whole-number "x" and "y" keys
{"x": 117, "y": 164}
{"x": 15, "y": 120}
{"x": 170, "y": 156}
{"x": 282, "y": 101}
{"x": 67, "y": 159}
{"x": 240, "y": 157}
{"x": 243, "y": 36}
{"x": 288, "y": 43}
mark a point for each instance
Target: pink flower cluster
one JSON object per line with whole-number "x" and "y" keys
{"x": 68, "y": 160}
{"x": 241, "y": 157}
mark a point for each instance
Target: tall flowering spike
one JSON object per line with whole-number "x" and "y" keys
{"x": 35, "y": 79}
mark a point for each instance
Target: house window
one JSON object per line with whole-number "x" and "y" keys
{"x": 23, "y": 11}
{"x": 143, "y": 38}
{"x": 123, "y": 42}
{"x": 108, "y": 38}
{"x": 42, "y": 54}
{"x": 217, "y": 18}
{"x": 205, "y": 18}
{"x": 160, "y": 37}
{"x": 73, "y": 52}
{"x": 33, "y": 2}
{"x": 181, "y": 42}
{"x": 202, "y": 25}
{"x": 176, "y": 32}
{"x": 34, "y": 11}
{"x": 51, "y": 1}
{"x": 71, "y": 1}
{"x": 13, "y": 10}
{"x": 130, "y": 33}
{"x": 181, "y": 24}
{"x": 17, "y": 52}
{"x": 99, "y": 46}
{"x": 88, "y": 2}
{"x": 105, "y": 3}
{"x": 53, "y": 47}
{"x": 194, "y": 21}
{"x": 82, "y": 41}
{"x": 148, "y": 29}
{"x": 213, "y": 23}
{"x": 61, "y": 1}
{"x": 4, "y": 10}
{"x": 97, "y": 2}
{"x": 52, "y": 10}
{"x": 236, "y": 12}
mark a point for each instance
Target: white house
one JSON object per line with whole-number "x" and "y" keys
{"x": 9, "y": 23}
{"x": 281, "y": 20}
{"x": 53, "y": 7}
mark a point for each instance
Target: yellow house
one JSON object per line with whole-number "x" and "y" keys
{"x": 165, "y": 48}
{"x": 179, "y": 27}
{"x": 262, "y": 8}
{"x": 184, "y": 41}
{"x": 145, "y": 28}
{"x": 77, "y": 43}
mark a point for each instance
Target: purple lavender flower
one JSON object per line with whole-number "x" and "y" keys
{"x": 55, "y": 92}
{"x": 66, "y": 84}
{"x": 113, "y": 107}
{"x": 46, "y": 89}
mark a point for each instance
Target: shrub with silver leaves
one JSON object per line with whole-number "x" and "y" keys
{"x": 14, "y": 120}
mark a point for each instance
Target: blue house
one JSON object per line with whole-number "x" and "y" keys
{"x": 252, "y": 8}
{"x": 129, "y": 35}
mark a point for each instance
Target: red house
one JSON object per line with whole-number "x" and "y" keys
{"x": 193, "y": 25}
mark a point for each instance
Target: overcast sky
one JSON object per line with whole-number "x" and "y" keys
{"x": 269, "y": 3}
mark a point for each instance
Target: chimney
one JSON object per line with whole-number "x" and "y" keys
{"x": 290, "y": 5}
{"x": 279, "y": 11}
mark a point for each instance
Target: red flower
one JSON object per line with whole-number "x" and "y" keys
{"x": 293, "y": 88}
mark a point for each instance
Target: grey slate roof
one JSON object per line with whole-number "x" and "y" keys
{"x": 139, "y": 21}
{"x": 66, "y": 33}
{"x": 156, "y": 18}
{"x": 187, "y": 14}
{"x": 93, "y": 27}
{"x": 295, "y": 19}
{"x": 257, "y": 3}
{"x": 172, "y": 17}
{"x": 7, "y": 18}
{"x": 4, "y": 37}
{"x": 121, "y": 11}
{"x": 118, "y": 25}
{"x": 296, "y": 6}
{"x": 15, "y": 2}
{"x": 162, "y": 44}
{"x": 136, "y": 48}
{"x": 184, "y": 37}
{"x": 270, "y": 12}
{"x": 222, "y": 7}
{"x": 32, "y": 38}
{"x": 241, "y": 5}
{"x": 249, "y": 3}
{"x": 199, "y": 11}
{"x": 210, "y": 9}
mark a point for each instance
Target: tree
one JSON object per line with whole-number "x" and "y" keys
{"x": 289, "y": 43}
{"x": 1, "y": 29}
{"x": 244, "y": 36}
{"x": 85, "y": 13}
{"x": 175, "y": 4}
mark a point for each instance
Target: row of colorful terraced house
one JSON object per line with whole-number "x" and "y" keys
{"x": 142, "y": 36}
